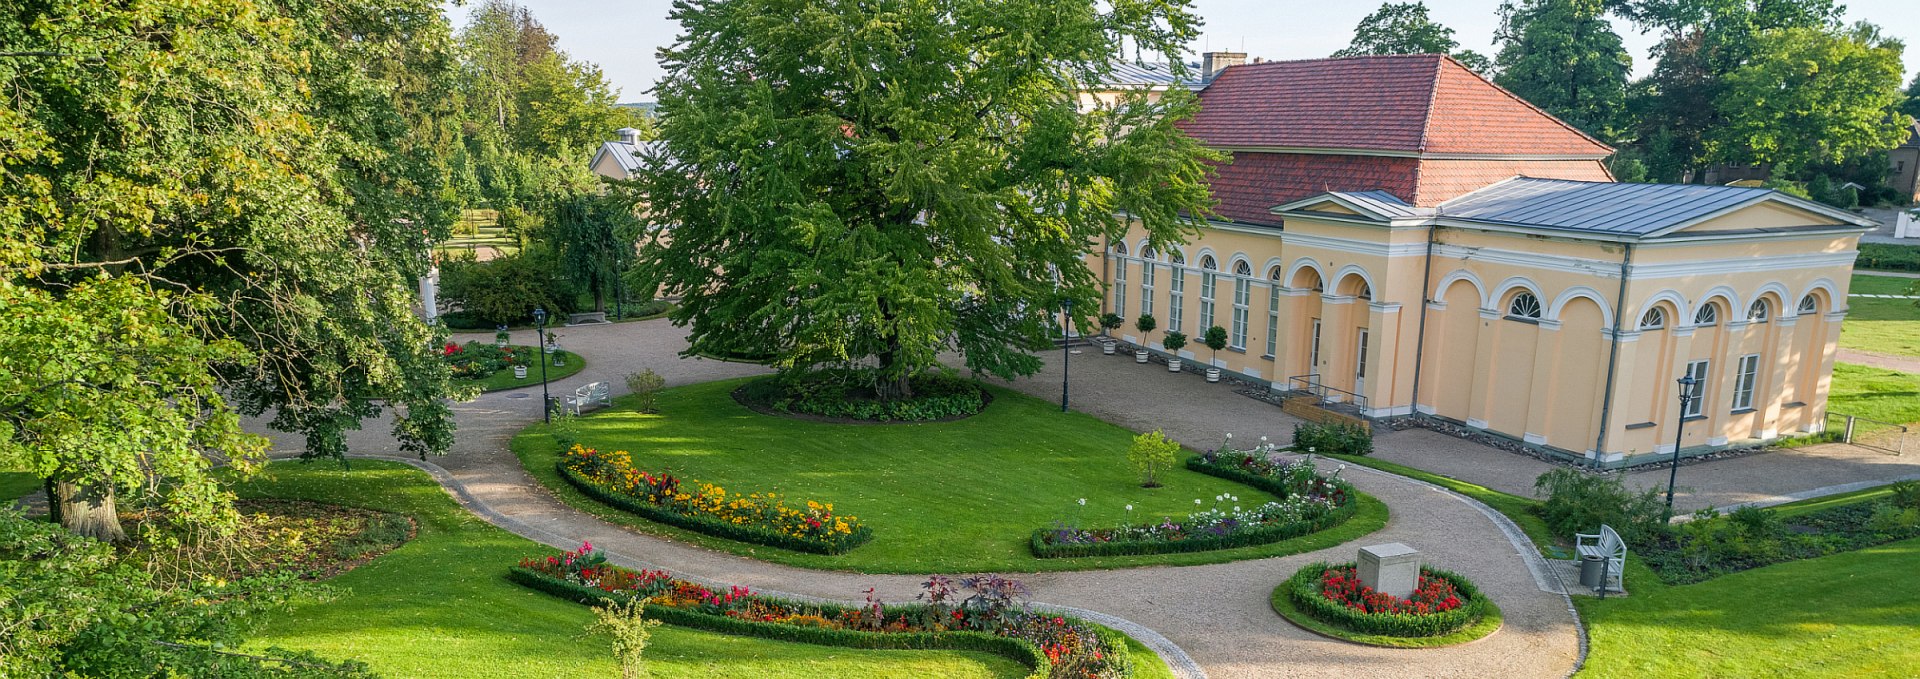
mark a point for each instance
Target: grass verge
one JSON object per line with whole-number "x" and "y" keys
{"x": 945, "y": 497}
{"x": 1875, "y": 393}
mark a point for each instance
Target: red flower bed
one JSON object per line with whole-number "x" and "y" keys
{"x": 1434, "y": 595}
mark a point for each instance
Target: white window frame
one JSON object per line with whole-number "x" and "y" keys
{"x": 1808, "y": 304}
{"x": 1209, "y": 283}
{"x": 1759, "y": 311}
{"x": 1273, "y": 316}
{"x": 1710, "y": 313}
{"x": 1654, "y": 319}
{"x": 1120, "y": 287}
{"x": 1177, "y": 298}
{"x": 1313, "y": 349}
{"x": 1699, "y": 370}
{"x": 1514, "y": 303}
{"x": 1242, "y": 295}
{"x": 1743, "y": 382}
{"x": 1146, "y": 285}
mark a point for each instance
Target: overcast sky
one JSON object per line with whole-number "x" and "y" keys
{"x": 621, "y": 35}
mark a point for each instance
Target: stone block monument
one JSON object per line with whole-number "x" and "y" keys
{"x": 1392, "y": 568}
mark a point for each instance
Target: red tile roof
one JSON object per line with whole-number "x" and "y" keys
{"x": 1444, "y": 180}
{"x": 1422, "y": 103}
{"x": 1255, "y": 182}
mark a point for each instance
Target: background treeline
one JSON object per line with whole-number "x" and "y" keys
{"x": 1774, "y": 88}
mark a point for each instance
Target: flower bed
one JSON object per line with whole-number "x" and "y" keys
{"x": 1309, "y": 503}
{"x": 990, "y": 620}
{"x": 1443, "y": 603}
{"x": 473, "y": 360}
{"x": 761, "y": 518}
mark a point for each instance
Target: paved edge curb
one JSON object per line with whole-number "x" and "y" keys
{"x": 1176, "y": 659}
{"x": 1523, "y": 547}
{"x": 1808, "y": 494}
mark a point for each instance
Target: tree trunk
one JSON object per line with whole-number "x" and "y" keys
{"x": 88, "y": 510}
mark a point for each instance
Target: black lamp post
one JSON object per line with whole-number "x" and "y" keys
{"x": 1679, "y": 426}
{"x": 539, "y": 353}
{"x": 1066, "y": 347}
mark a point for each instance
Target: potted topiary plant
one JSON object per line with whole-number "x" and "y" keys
{"x": 1145, "y": 324}
{"x": 1173, "y": 342}
{"x": 1215, "y": 339}
{"x": 500, "y": 336}
{"x": 1108, "y": 322}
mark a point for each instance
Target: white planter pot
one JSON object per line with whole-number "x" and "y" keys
{"x": 500, "y": 343}
{"x": 1107, "y": 347}
{"x": 519, "y": 372}
{"x": 1173, "y": 365}
{"x": 1140, "y": 356}
{"x": 1213, "y": 374}
{"x": 558, "y": 361}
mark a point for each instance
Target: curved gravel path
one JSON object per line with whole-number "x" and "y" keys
{"x": 1211, "y": 620}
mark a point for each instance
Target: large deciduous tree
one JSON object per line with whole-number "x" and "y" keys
{"x": 872, "y": 183}
{"x": 1563, "y": 56}
{"x": 1811, "y": 95}
{"x": 1406, "y": 28}
{"x": 206, "y": 207}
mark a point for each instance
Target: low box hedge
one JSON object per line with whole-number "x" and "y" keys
{"x": 714, "y": 527}
{"x": 1258, "y": 536}
{"x": 958, "y": 640}
{"x": 1304, "y": 590}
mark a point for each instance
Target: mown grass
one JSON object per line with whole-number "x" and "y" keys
{"x": 570, "y": 363}
{"x": 16, "y": 485}
{"x": 949, "y": 497}
{"x": 1875, "y": 393}
{"x": 440, "y": 605}
{"x": 1882, "y": 326}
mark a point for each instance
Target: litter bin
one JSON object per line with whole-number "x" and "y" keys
{"x": 1592, "y": 570}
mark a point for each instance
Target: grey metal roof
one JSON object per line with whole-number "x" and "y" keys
{"x": 629, "y": 155}
{"x": 1151, "y": 74}
{"x": 1377, "y": 201}
{"x": 1606, "y": 207}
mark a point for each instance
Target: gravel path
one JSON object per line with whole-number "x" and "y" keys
{"x": 1905, "y": 364}
{"x": 1215, "y": 615}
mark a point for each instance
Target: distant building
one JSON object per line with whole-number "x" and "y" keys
{"x": 1156, "y": 78}
{"x": 1906, "y": 166}
{"x": 620, "y": 158}
{"x": 1399, "y": 235}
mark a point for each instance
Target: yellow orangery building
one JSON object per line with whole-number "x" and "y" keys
{"x": 1399, "y": 235}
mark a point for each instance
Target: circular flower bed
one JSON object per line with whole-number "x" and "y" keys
{"x": 1329, "y": 599}
{"x": 836, "y": 396}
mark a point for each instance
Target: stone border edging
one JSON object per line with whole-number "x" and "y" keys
{"x": 1176, "y": 659}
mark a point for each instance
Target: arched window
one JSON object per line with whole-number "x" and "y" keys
{"x": 1758, "y": 311}
{"x": 1365, "y": 291}
{"x": 1524, "y": 305}
{"x": 1120, "y": 282}
{"x": 1242, "y": 296}
{"x": 1241, "y": 268}
{"x": 1208, "y": 280}
{"x": 1176, "y": 291}
{"x": 1709, "y": 314}
{"x": 1654, "y": 319}
{"x": 1273, "y": 309}
{"x": 1177, "y": 258}
{"x": 1808, "y": 305}
{"x": 1120, "y": 248}
{"x": 1146, "y": 281}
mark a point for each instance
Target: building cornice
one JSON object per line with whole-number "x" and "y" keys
{"x": 1350, "y": 245}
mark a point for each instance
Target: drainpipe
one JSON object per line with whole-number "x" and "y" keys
{"x": 1613, "y": 358}
{"x": 1420, "y": 342}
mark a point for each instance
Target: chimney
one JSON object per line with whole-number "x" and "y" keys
{"x": 1212, "y": 63}
{"x": 628, "y": 135}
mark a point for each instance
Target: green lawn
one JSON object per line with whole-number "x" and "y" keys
{"x": 440, "y": 606}
{"x": 953, "y": 497}
{"x": 1874, "y": 393}
{"x": 504, "y": 379}
{"x": 16, "y": 485}
{"x": 1882, "y": 326}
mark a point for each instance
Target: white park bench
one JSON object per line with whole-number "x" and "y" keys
{"x": 592, "y": 394}
{"x": 1606, "y": 544}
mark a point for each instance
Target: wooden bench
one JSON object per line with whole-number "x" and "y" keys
{"x": 1606, "y": 544}
{"x": 595, "y": 393}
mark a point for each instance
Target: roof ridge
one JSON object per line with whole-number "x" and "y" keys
{"x": 1356, "y": 57}
{"x": 1433, "y": 96}
{"x": 1446, "y": 58}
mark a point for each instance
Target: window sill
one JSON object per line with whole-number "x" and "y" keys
{"x": 1237, "y": 350}
{"x": 1693, "y": 418}
{"x": 1741, "y": 411}
{"x": 1267, "y": 356}
{"x": 1642, "y": 425}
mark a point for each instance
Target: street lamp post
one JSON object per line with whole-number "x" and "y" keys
{"x": 1679, "y": 426}
{"x": 539, "y": 353}
{"x": 1066, "y": 347}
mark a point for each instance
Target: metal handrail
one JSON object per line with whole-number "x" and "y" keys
{"x": 1310, "y": 384}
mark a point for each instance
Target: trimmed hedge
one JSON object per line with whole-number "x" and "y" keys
{"x": 936, "y": 396}
{"x": 1269, "y": 484}
{"x": 958, "y": 640}
{"x": 714, "y": 527}
{"x": 1258, "y": 536}
{"x": 1888, "y": 257}
{"x": 1303, "y": 589}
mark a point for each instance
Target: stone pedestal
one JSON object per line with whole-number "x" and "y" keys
{"x": 1392, "y": 568}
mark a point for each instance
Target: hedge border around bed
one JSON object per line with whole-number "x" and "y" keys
{"x": 716, "y": 528}
{"x": 958, "y": 640}
{"x": 1261, "y": 536}
{"x": 1298, "y": 599}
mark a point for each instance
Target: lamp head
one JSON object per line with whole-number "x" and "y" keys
{"x": 1686, "y": 385}
{"x": 539, "y": 316}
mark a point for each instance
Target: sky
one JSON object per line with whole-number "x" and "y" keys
{"x": 621, "y": 35}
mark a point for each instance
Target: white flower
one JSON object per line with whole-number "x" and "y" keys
{"x": 1234, "y": 498}
{"x": 1229, "y": 435}
{"x": 1083, "y": 502}
{"x": 1129, "y": 508}
{"x": 1196, "y": 500}
{"x": 1309, "y": 449}
{"x": 1263, "y": 439}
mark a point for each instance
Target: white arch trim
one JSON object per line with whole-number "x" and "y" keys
{"x": 1349, "y": 269}
{"x": 1202, "y": 255}
{"x": 1499, "y": 297}
{"x": 1733, "y": 304}
{"x": 1272, "y": 262}
{"x": 1779, "y": 291}
{"x": 1821, "y": 284}
{"x": 1234, "y": 262}
{"x": 1479, "y": 288}
{"x": 1142, "y": 248}
{"x": 1306, "y": 263}
{"x": 1578, "y": 291}
{"x": 1682, "y": 315}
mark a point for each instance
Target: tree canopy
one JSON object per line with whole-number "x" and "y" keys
{"x": 1406, "y": 28}
{"x": 870, "y": 184}
{"x": 1811, "y": 95}
{"x": 1563, "y": 56}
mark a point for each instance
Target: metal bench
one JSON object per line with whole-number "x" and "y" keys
{"x": 595, "y": 393}
{"x": 1606, "y": 544}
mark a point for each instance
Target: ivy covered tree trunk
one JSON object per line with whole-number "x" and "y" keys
{"x": 87, "y": 510}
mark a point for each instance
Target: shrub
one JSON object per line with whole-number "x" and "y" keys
{"x": 1578, "y": 502}
{"x": 841, "y": 394}
{"x": 646, "y": 386}
{"x": 1888, "y": 257}
{"x": 627, "y": 626}
{"x": 1711, "y": 545}
{"x": 1145, "y": 324}
{"x": 1151, "y": 453}
{"x": 1441, "y": 604}
{"x": 992, "y": 619}
{"x": 1111, "y": 321}
{"x": 505, "y": 289}
{"x": 1906, "y": 494}
{"x": 1341, "y": 438}
{"x": 761, "y": 518}
{"x": 1174, "y": 341}
{"x": 1215, "y": 339}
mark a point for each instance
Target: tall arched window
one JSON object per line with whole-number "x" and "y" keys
{"x": 1654, "y": 319}
{"x": 1209, "y": 278}
{"x": 1177, "y": 295}
{"x": 1759, "y": 311}
{"x": 1808, "y": 304}
{"x": 1709, "y": 314}
{"x": 1146, "y": 282}
{"x": 1273, "y": 309}
{"x": 1120, "y": 283}
{"x": 1524, "y": 306}
{"x": 1120, "y": 248}
{"x": 1242, "y": 294}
